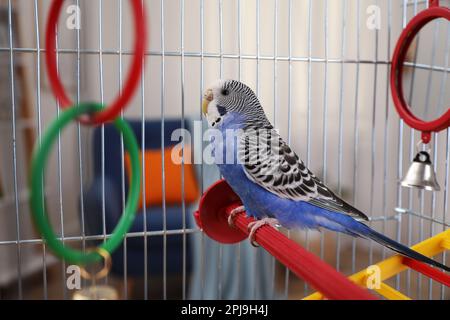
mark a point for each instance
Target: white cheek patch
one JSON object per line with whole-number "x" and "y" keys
{"x": 213, "y": 116}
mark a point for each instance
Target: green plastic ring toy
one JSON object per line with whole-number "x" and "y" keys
{"x": 40, "y": 157}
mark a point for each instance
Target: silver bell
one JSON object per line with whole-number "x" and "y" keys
{"x": 421, "y": 174}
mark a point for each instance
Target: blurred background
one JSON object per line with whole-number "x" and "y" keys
{"x": 321, "y": 71}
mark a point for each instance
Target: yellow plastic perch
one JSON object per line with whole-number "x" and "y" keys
{"x": 393, "y": 266}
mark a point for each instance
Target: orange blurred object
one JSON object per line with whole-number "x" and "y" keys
{"x": 173, "y": 178}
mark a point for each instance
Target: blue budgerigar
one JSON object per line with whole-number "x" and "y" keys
{"x": 273, "y": 183}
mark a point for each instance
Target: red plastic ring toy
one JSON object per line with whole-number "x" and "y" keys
{"x": 403, "y": 44}
{"x": 133, "y": 77}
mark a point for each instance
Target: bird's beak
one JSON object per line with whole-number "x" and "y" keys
{"x": 207, "y": 98}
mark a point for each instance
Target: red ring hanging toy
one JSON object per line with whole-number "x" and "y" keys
{"x": 406, "y": 37}
{"x": 133, "y": 77}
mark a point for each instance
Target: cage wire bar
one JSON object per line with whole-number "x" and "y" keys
{"x": 403, "y": 216}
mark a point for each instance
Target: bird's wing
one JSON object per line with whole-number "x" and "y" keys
{"x": 269, "y": 162}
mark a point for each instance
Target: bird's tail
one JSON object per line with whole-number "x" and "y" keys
{"x": 369, "y": 233}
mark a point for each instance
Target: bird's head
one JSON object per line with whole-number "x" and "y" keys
{"x": 226, "y": 97}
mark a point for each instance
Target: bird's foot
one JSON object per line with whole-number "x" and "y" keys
{"x": 255, "y": 225}
{"x": 233, "y": 214}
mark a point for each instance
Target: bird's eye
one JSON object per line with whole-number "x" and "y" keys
{"x": 225, "y": 92}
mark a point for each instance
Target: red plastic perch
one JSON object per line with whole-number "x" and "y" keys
{"x": 215, "y": 206}
{"x": 425, "y": 269}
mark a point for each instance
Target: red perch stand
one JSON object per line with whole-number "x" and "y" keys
{"x": 212, "y": 217}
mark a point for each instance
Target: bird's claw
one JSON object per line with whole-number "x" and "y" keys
{"x": 233, "y": 214}
{"x": 255, "y": 225}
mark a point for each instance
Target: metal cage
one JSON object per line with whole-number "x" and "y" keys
{"x": 321, "y": 70}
